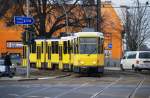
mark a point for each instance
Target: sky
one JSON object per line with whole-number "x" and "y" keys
{"x": 117, "y": 3}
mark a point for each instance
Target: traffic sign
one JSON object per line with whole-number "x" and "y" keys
{"x": 23, "y": 20}
{"x": 110, "y": 45}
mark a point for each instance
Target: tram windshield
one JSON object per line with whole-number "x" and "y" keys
{"x": 88, "y": 45}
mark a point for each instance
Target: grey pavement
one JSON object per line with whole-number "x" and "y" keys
{"x": 125, "y": 85}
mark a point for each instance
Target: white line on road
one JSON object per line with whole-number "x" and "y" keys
{"x": 46, "y": 97}
{"x": 96, "y": 94}
{"x": 71, "y": 90}
{"x": 33, "y": 96}
{"x": 13, "y": 95}
{"x": 132, "y": 95}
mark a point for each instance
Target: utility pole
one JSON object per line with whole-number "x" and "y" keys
{"x": 98, "y": 10}
{"x": 28, "y": 46}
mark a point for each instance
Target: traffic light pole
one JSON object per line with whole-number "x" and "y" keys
{"x": 28, "y": 45}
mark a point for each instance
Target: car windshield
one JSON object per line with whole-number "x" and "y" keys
{"x": 144, "y": 55}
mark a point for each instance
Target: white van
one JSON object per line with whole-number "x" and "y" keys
{"x": 136, "y": 60}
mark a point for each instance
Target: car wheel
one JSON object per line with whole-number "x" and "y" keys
{"x": 121, "y": 67}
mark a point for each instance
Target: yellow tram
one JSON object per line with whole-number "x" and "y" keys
{"x": 81, "y": 53}
{"x": 88, "y": 52}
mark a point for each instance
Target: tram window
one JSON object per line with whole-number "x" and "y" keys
{"x": 46, "y": 45}
{"x": 65, "y": 47}
{"x": 99, "y": 45}
{"x": 55, "y": 47}
{"x": 38, "y": 52}
{"x": 24, "y": 52}
{"x": 60, "y": 52}
{"x": 33, "y": 48}
{"x": 88, "y": 40}
{"x": 49, "y": 52}
{"x": 75, "y": 46}
{"x": 72, "y": 46}
{"x": 69, "y": 47}
{"x": 42, "y": 47}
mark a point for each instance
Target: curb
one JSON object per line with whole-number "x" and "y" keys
{"x": 27, "y": 79}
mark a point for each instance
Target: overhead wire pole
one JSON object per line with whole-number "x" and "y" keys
{"x": 28, "y": 46}
{"x": 98, "y": 10}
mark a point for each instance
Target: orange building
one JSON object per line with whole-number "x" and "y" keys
{"x": 10, "y": 39}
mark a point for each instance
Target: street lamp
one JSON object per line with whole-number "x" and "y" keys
{"x": 62, "y": 4}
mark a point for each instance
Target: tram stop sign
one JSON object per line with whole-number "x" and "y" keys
{"x": 110, "y": 45}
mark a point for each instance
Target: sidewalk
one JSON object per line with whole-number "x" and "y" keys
{"x": 112, "y": 68}
{"x": 35, "y": 74}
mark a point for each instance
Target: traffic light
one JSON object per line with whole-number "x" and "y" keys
{"x": 24, "y": 38}
{"x": 28, "y": 36}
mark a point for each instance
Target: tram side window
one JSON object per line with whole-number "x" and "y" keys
{"x": 46, "y": 45}
{"x": 42, "y": 47}
{"x": 49, "y": 52}
{"x": 75, "y": 46}
{"x": 38, "y": 52}
{"x": 33, "y": 48}
{"x": 69, "y": 47}
{"x": 24, "y": 52}
{"x": 55, "y": 47}
{"x": 60, "y": 52}
{"x": 99, "y": 45}
{"x": 65, "y": 47}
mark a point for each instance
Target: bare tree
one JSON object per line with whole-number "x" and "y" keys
{"x": 136, "y": 23}
{"x": 49, "y": 15}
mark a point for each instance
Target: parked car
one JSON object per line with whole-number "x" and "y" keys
{"x": 3, "y": 69}
{"x": 136, "y": 60}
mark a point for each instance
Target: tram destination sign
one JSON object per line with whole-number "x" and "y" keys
{"x": 23, "y": 20}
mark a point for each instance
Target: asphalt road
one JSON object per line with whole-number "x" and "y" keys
{"x": 114, "y": 84}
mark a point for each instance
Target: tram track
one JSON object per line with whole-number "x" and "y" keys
{"x": 133, "y": 92}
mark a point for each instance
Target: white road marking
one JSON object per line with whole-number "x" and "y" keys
{"x": 132, "y": 95}
{"x": 71, "y": 90}
{"x": 33, "y": 96}
{"x": 13, "y": 94}
{"x": 47, "y": 97}
{"x": 94, "y": 95}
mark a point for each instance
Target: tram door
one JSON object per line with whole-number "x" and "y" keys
{"x": 38, "y": 53}
{"x": 49, "y": 52}
{"x": 24, "y": 58}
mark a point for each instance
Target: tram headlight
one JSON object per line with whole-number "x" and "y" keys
{"x": 94, "y": 62}
{"x": 81, "y": 62}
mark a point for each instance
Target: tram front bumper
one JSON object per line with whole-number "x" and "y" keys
{"x": 87, "y": 69}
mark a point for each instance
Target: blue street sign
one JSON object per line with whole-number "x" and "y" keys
{"x": 110, "y": 45}
{"x": 23, "y": 20}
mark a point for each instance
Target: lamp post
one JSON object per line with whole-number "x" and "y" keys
{"x": 28, "y": 46}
